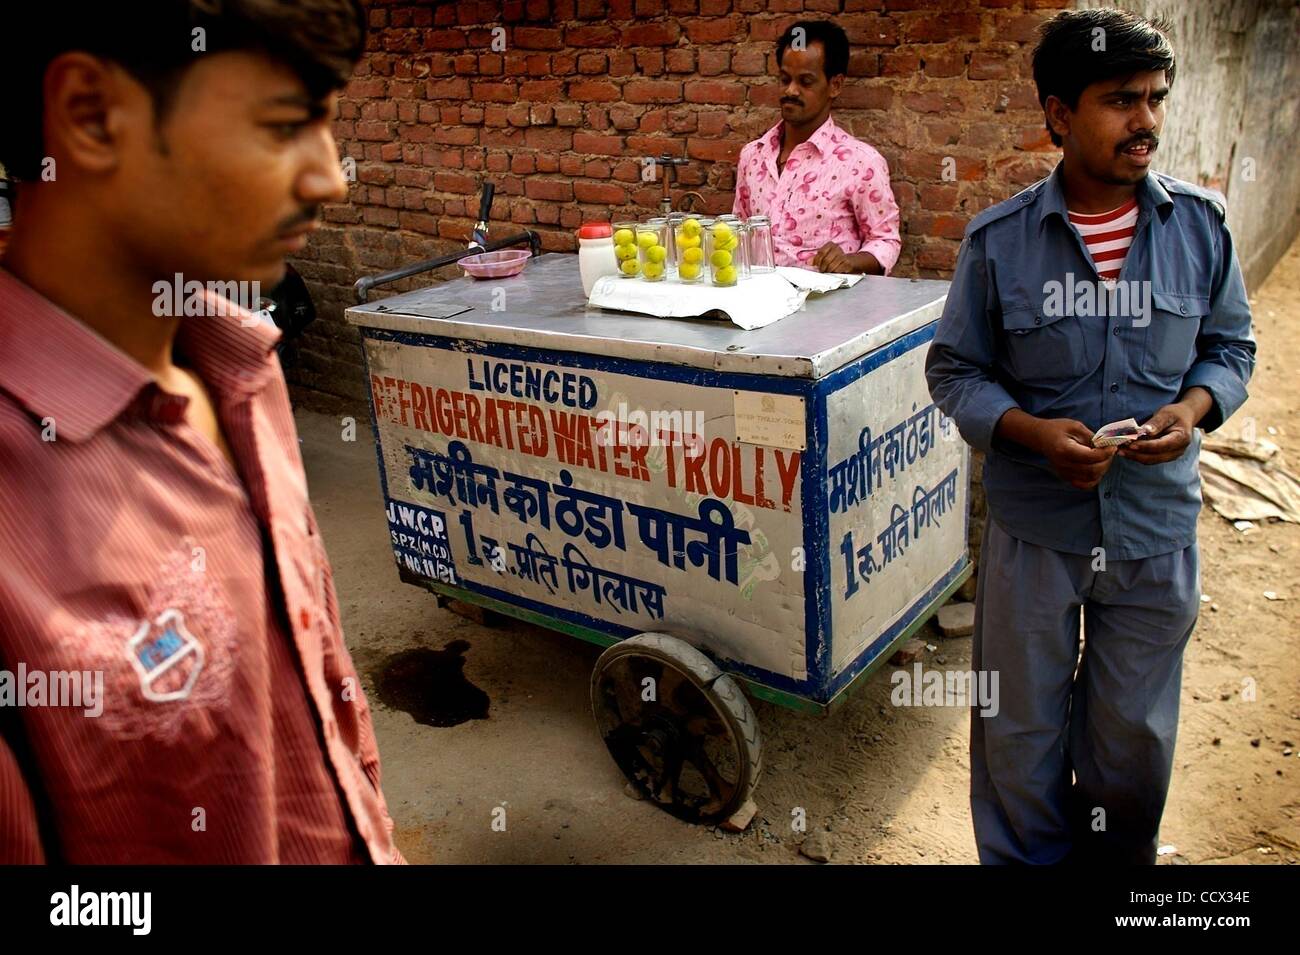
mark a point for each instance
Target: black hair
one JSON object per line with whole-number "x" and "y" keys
{"x": 154, "y": 41}
{"x": 1077, "y": 48}
{"x": 834, "y": 41}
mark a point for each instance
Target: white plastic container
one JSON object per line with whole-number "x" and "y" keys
{"x": 596, "y": 257}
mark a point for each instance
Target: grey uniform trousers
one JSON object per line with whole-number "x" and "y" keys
{"x": 1075, "y": 767}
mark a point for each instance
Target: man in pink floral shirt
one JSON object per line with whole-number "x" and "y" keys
{"x": 826, "y": 192}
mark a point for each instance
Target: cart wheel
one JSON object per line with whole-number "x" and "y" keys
{"x": 693, "y": 747}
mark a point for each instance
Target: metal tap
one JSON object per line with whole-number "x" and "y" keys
{"x": 690, "y": 200}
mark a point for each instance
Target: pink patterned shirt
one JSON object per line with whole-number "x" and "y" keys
{"x": 834, "y": 188}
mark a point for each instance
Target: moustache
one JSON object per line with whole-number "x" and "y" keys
{"x": 305, "y": 217}
{"x": 1148, "y": 138}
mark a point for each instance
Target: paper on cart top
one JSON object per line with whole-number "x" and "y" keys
{"x": 544, "y": 307}
{"x": 753, "y": 303}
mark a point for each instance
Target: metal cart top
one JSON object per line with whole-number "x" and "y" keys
{"x": 543, "y": 307}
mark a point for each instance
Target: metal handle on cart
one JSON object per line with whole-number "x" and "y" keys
{"x": 364, "y": 284}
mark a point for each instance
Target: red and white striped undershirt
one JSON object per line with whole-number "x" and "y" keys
{"x": 1108, "y": 236}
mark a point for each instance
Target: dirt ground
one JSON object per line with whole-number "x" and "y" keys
{"x": 890, "y": 783}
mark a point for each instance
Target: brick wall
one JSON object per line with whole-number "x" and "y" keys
{"x": 559, "y": 119}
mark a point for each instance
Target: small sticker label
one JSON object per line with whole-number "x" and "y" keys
{"x": 773, "y": 420}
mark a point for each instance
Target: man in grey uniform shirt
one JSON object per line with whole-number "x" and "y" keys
{"x": 1104, "y": 292}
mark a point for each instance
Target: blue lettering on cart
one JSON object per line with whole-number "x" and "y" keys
{"x": 927, "y": 507}
{"x": 589, "y": 514}
{"x": 419, "y": 539}
{"x": 532, "y": 383}
{"x": 853, "y": 479}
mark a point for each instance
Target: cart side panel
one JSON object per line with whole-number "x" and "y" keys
{"x": 897, "y": 479}
{"x": 498, "y": 479}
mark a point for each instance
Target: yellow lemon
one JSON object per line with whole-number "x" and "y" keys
{"x": 689, "y": 271}
{"x": 646, "y": 239}
{"x": 689, "y": 241}
{"x": 653, "y": 270}
{"x": 721, "y": 231}
{"x": 630, "y": 266}
{"x": 691, "y": 228}
{"x": 656, "y": 253}
{"x": 625, "y": 252}
{"x": 624, "y": 237}
{"x": 720, "y": 259}
{"x": 725, "y": 276}
{"x": 693, "y": 256}
{"x": 730, "y": 244}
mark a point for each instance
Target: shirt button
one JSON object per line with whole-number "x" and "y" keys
{"x": 1038, "y": 319}
{"x": 1117, "y": 330}
{"x": 304, "y": 618}
{"x": 1183, "y": 309}
{"x": 1106, "y": 495}
{"x": 1114, "y": 386}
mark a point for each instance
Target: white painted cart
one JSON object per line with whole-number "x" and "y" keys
{"x": 536, "y": 459}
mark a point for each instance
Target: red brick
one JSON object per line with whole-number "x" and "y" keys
{"x": 568, "y": 114}
{"x": 598, "y": 145}
{"x": 592, "y": 63}
{"x": 714, "y": 62}
{"x": 540, "y": 90}
{"x": 873, "y": 30}
{"x": 653, "y": 91}
{"x": 550, "y": 190}
{"x": 601, "y": 35}
{"x": 749, "y": 61}
{"x": 928, "y": 28}
{"x": 495, "y": 92}
{"x": 601, "y": 91}
{"x": 374, "y": 132}
{"x": 681, "y": 61}
{"x": 717, "y": 30}
{"x": 538, "y": 38}
{"x": 990, "y": 66}
{"x": 861, "y": 96}
{"x": 457, "y": 88}
{"x": 603, "y": 192}
{"x": 650, "y": 62}
{"x": 714, "y": 150}
{"x": 899, "y": 64}
{"x": 454, "y": 182}
{"x": 949, "y": 64}
{"x": 657, "y": 33}
{"x": 715, "y": 92}
{"x": 547, "y": 137}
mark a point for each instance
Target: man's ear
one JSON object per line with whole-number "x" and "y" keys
{"x": 83, "y": 112}
{"x": 836, "y": 84}
{"x": 1058, "y": 116}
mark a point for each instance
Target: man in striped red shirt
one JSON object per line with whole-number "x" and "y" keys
{"x": 1105, "y": 292}
{"x": 174, "y": 685}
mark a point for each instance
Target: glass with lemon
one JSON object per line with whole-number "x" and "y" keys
{"x": 724, "y": 251}
{"x": 689, "y": 240}
{"x": 625, "y": 250}
{"x": 652, "y": 245}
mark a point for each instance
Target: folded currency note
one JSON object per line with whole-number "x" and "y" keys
{"x": 1117, "y": 432}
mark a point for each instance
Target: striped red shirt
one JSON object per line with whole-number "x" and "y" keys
{"x": 1108, "y": 236}
{"x": 233, "y": 727}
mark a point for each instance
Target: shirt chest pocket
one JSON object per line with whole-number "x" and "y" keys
{"x": 1175, "y": 323}
{"x": 1042, "y": 347}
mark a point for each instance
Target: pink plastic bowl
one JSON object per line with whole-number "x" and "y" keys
{"x": 496, "y": 265}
